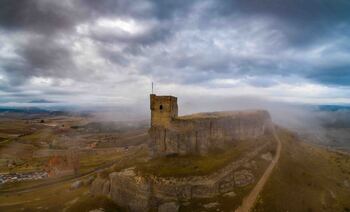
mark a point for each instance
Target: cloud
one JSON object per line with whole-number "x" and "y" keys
{"x": 305, "y": 21}
{"x": 46, "y": 57}
{"x": 109, "y": 51}
{"x": 37, "y": 15}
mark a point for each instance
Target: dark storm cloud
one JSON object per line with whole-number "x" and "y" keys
{"x": 339, "y": 75}
{"x": 305, "y": 25}
{"x": 39, "y": 56}
{"x": 297, "y": 11}
{"x": 161, "y": 9}
{"x": 47, "y": 57}
{"x": 303, "y": 20}
{"x": 14, "y": 70}
{"x": 47, "y": 21}
{"x": 262, "y": 43}
{"x": 36, "y": 15}
{"x": 115, "y": 57}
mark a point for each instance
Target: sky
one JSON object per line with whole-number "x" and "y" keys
{"x": 108, "y": 52}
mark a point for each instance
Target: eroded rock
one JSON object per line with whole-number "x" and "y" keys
{"x": 267, "y": 156}
{"x": 130, "y": 191}
{"x": 172, "y": 134}
{"x": 243, "y": 178}
{"x": 76, "y": 184}
{"x": 100, "y": 186}
{"x": 89, "y": 180}
{"x": 230, "y": 194}
{"x": 211, "y": 205}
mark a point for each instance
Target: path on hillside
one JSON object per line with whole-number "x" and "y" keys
{"x": 249, "y": 201}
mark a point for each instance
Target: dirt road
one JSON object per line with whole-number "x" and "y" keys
{"x": 249, "y": 201}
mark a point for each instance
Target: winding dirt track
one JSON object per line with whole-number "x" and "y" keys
{"x": 249, "y": 201}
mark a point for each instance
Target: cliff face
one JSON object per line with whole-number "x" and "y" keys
{"x": 141, "y": 193}
{"x": 199, "y": 133}
{"x": 196, "y": 134}
{"x": 130, "y": 191}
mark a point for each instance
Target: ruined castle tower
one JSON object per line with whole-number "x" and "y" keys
{"x": 163, "y": 110}
{"x": 198, "y": 133}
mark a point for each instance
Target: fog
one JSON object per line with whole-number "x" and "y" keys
{"x": 322, "y": 126}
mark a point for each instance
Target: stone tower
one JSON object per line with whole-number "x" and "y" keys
{"x": 163, "y": 110}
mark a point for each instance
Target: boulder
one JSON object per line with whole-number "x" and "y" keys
{"x": 243, "y": 178}
{"x": 211, "y": 205}
{"x": 130, "y": 191}
{"x": 89, "y": 180}
{"x": 100, "y": 186}
{"x": 77, "y": 184}
{"x": 267, "y": 156}
{"x": 230, "y": 194}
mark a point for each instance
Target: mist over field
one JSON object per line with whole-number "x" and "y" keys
{"x": 175, "y": 105}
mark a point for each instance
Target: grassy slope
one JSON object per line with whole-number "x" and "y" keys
{"x": 56, "y": 198}
{"x": 307, "y": 178}
{"x": 226, "y": 203}
{"x": 51, "y": 198}
{"x": 88, "y": 203}
{"x": 190, "y": 165}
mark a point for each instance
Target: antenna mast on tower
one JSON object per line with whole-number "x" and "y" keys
{"x": 152, "y": 87}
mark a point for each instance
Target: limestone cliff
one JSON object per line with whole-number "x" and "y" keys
{"x": 193, "y": 134}
{"x": 199, "y": 133}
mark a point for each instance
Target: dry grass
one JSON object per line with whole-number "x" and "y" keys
{"x": 49, "y": 198}
{"x": 196, "y": 165}
{"x": 227, "y": 203}
{"x": 88, "y": 203}
{"x": 307, "y": 178}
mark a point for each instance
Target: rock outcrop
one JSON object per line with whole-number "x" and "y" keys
{"x": 198, "y": 133}
{"x": 194, "y": 134}
{"x": 129, "y": 190}
{"x": 100, "y": 186}
{"x": 140, "y": 193}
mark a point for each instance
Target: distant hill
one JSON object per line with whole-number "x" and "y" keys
{"x": 41, "y": 101}
{"x": 333, "y": 107}
{"x": 27, "y": 110}
{"x": 30, "y": 112}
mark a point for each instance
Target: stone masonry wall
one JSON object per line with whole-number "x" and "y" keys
{"x": 197, "y": 135}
